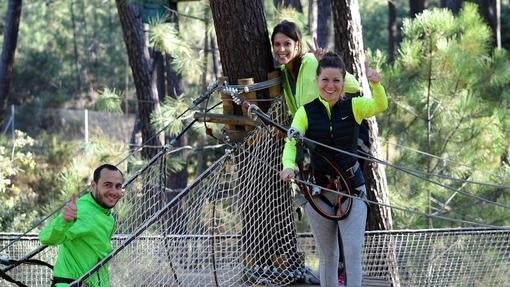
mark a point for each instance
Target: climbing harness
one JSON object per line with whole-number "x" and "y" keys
{"x": 316, "y": 186}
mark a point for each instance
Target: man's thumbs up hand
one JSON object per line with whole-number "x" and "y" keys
{"x": 70, "y": 210}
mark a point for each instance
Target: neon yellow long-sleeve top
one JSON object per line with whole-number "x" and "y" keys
{"x": 306, "y": 85}
{"x": 82, "y": 242}
{"x": 362, "y": 107}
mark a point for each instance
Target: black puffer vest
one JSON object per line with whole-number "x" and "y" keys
{"x": 340, "y": 132}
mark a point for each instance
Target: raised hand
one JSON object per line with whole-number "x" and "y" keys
{"x": 70, "y": 210}
{"x": 372, "y": 75}
{"x": 316, "y": 50}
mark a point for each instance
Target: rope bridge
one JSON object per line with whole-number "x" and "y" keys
{"x": 436, "y": 257}
{"x": 234, "y": 225}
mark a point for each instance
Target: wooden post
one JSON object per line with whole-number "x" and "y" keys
{"x": 235, "y": 119}
{"x": 251, "y": 97}
{"x": 228, "y": 106}
{"x": 274, "y": 91}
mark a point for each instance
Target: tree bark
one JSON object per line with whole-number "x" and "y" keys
{"x": 10, "y": 32}
{"x": 452, "y": 5}
{"x": 173, "y": 79}
{"x": 416, "y": 7}
{"x": 245, "y": 52}
{"x": 159, "y": 67}
{"x": 312, "y": 17}
{"x": 243, "y": 41}
{"x": 348, "y": 38}
{"x": 491, "y": 10}
{"x": 319, "y": 21}
{"x": 323, "y": 22}
{"x": 142, "y": 70}
{"x": 242, "y": 37}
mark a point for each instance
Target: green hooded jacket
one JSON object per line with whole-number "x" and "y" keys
{"x": 306, "y": 85}
{"x": 82, "y": 242}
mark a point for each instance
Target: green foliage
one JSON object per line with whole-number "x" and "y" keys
{"x": 165, "y": 39}
{"x": 276, "y": 15}
{"x": 48, "y": 67}
{"x": 374, "y": 20}
{"x": 440, "y": 104}
{"x": 19, "y": 179}
{"x": 167, "y": 120}
{"x": 167, "y": 117}
{"x": 109, "y": 101}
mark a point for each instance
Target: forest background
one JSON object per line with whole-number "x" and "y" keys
{"x": 446, "y": 72}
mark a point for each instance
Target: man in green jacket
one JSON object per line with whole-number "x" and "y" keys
{"x": 84, "y": 228}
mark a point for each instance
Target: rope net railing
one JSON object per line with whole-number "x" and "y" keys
{"x": 234, "y": 225}
{"x": 440, "y": 257}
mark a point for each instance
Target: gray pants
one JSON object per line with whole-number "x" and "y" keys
{"x": 352, "y": 230}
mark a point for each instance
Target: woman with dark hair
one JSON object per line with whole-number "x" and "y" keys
{"x": 333, "y": 120}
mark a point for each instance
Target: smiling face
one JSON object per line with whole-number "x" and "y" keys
{"x": 108, "y": 189}
{"x": 331, "y": 84}
{"x": 284, "y": 48}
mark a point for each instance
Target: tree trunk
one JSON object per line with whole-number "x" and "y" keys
{"x": 173, "y": 79}
{"x": 392, "y": 31}
{"x": 158, "y": 72}
{"x": 312, "y": 17}
{"x": 323, "y": 22}
{"x": 215, "y": 59}
{"x": 349, "y": 44}
{"x": 141, "y": 67}
{"x": 491, "y": 10}
{"x": 416, "y": 7}
{"x": 10, "y": 32}
{"x": 348, "y": 38}
{"x": 319, "y": 20}
{"x": 243, "y": 41}
{"x": 452, "y": 5}
{"x": 245, "y": 52}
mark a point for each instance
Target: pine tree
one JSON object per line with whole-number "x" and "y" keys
{"x": 450, "y": 101}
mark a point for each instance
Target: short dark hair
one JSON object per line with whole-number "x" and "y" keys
{"x": 97, "y": 172}
{"x": 331, "y": 60}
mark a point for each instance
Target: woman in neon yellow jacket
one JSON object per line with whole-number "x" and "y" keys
{"x": 333, "y": 120}
{"x": 84, "y": 229}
